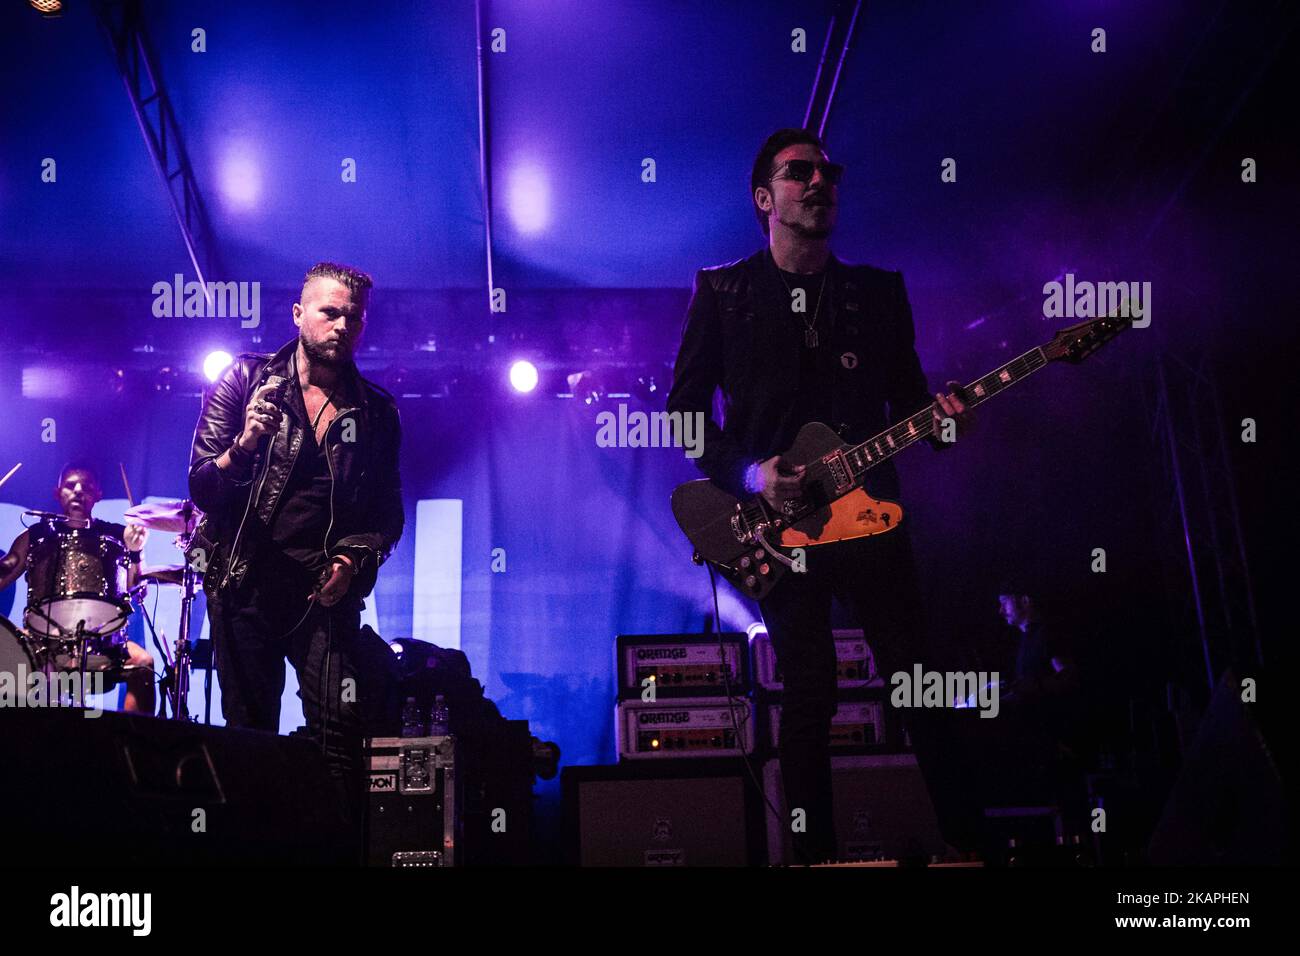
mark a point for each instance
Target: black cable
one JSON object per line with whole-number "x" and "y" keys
{"x": 207, "y": 675}
{"x": 726, "y": 678}
{"x": 324, "y": 699}
{"x": 254, "y": 493}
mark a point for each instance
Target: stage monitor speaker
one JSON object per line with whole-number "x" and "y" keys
{"x": 882, "y": 811}
{"x": 1227, "y": 807}
{"x": 122, "y": 789}
{"x": 664, "y": 813}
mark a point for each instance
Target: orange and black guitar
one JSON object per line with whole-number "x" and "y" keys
{"x": 750, "y": 543}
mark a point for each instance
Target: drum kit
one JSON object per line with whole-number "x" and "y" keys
{"x": 80, "y": 596}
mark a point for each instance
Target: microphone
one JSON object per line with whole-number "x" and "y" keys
{"x": 280, "y": 386}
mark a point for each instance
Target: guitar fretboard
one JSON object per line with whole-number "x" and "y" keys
{"x": 921, "y": 425}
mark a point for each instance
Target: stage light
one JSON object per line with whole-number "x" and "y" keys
{"x": 48, "y": 8}
{"x": 215, "y": 364}
{"x": 523, "y": 376}
{"x": 48, "y": 381}
{"x": 528, "y": 199}
{"x": 239, "y": 176}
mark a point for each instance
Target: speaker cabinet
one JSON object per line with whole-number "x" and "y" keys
{"x": 882, "y": 811}
{"x": 687, "y": 813}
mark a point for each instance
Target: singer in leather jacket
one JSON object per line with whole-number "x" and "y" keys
{"x": 366, "y": 492}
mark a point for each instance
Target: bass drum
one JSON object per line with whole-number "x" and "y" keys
{"x": 15, "y": 657}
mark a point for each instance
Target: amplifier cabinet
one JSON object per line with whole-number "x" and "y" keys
{"x": 882, "y": 811}
{"x": 658, "y": 814}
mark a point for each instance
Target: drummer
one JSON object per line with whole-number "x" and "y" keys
{"x": 78, "y": 492}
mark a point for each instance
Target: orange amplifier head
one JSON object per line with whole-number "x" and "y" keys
{"x": 655, "y": 666}
{"x": 684, "y": 727}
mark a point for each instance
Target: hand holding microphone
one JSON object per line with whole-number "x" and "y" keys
{"x": 262, "y": 416}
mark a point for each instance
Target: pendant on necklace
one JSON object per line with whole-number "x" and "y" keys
{"x": 810, "y": 338}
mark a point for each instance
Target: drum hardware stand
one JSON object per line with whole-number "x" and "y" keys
{"x": 40, "y": 646}
{"x": 181, "y": 674}
{"x": 81, "y": 636}
{"x": 160, "y": 644}
{"x": 175, "y": 684}
{"x": 59, "y": 634}
{"x": 184, "y": 646}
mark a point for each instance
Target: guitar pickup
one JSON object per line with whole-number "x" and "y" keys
{"x": 841, "y": 475}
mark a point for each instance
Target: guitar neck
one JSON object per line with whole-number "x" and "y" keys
{"x": 894, "y": 439}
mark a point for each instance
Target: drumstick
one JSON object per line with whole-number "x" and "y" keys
{"x": 11, "y": 474}
{"x": 122, "y": 468}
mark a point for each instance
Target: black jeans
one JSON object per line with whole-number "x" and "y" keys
{"x": 875, "y": 578}
{"x": 254, "y": 630}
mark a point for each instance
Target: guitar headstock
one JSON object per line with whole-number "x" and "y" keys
{"x": 1079, "y": 341}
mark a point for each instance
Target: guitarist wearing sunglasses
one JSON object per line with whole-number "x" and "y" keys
{"x": 792, "y": 335}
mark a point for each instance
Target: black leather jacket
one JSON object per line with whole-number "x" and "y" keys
{"x": 362, "y": 450}
{"x": 740, "y": 337}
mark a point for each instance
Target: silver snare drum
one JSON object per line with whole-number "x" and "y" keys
{"x": 76, "y": 596}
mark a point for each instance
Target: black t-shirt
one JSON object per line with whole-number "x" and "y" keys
{"x": 816, "y": 380}
{"x": 294, "y": 553}
{"x": 1038, "y": 645}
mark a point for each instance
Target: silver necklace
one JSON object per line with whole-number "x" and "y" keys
{"x": 328, "y": 398}
{"x": 810, "y": 338}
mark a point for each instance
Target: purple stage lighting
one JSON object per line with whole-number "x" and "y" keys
{"x": 215, "y": 364}
{"x": 523, "y": 376}
{"x": 240, "y": 177}
{"x": 528, "y": 199}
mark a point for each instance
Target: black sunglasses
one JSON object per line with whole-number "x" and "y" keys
{"x": 801, "y": 171}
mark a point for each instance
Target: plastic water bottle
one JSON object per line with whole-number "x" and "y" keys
{"x": 439, "y": 718}
{"x": 412, "y": 725}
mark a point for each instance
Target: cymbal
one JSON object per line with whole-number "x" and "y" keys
{"x": 163, "y": 515}
{"x": 166, "y": 574}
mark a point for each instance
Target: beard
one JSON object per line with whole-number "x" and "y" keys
{"x": 338, "y": 355}
{"x": 808, "y": 231}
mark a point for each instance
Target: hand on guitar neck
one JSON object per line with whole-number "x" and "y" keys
{"x": 953, "y": 405}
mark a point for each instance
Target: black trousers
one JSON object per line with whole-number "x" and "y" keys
{"x": 254, "y": 631}
{"x": 875, "y": 579}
